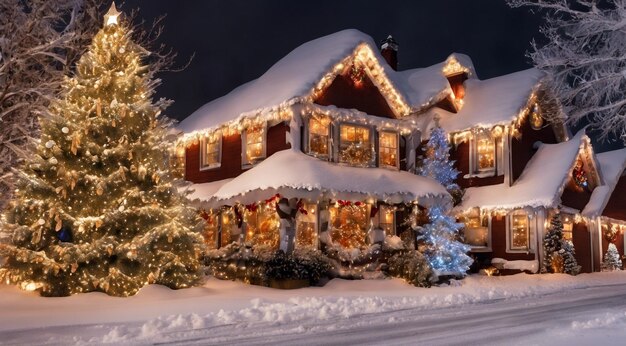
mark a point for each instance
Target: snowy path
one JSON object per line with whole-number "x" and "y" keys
{"x": 497, "y": 322}
{"x": 520, "y": 309}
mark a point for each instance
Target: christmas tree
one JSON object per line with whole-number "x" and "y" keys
{"x": 552, "y": 244}
{"x": 558, "y": 252}
{"x": 441, "y": 245}
{"x": 95, "y": 207}
{"x": 611, "y": 261}
{"x": 436, "y": 162}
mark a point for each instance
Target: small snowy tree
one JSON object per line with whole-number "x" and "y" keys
{"x": 567, "y": 253}
{"x": 612, "y": 260}
{"x": 436, "y": 162}
{"x": 552, "y": 244}
{"x": 559, "y": 254}
{"x": 584, "y": 58}
{"x": 440, "y": 242}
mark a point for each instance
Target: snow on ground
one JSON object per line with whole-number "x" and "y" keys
{"x": 342, "y": 310}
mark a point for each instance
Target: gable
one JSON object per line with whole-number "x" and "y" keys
{"x": 354, "y": 89}
{"x": 616, "y": 207}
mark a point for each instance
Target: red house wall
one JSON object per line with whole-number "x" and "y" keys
{"x": 582, "y": 244}
{"x": 498, "y": 242}
{"x": 616, "y": 207}
{"x": 522, "y": 149}
{"x": 343, "y": 93}
{"x": 461, "y": 154}
{"x": 619, "y": 244}
{"x": 231, "y": 156}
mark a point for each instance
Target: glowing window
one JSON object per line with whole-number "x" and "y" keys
{"x": 355, "y": 145}
{"x": 226, "y": 231}
{"x": 306, "y": 227}
{"x": 485, "y": 156}
{"x": 349, "y": 225}
{"x": 254, "y": 140}
{"x": 262, "y": 226}
{"x": 211, "y": 230}
{"x": 210, "y": 151}
{"x": 568, "y": 226}
{"x": 319, "y": 129}
{"x": 476, "y": 231}
{"x": 387, "y": 216}
{"x": 519, "y": 230}
{"x": 388, "y": 149}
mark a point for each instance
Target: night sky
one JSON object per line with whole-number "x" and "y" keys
{"x": 237, "y": 41}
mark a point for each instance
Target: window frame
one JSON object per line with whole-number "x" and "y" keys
{"x": 483, "y": 224}
{"x": 381, "y": 211}
{"x": 244, "y": 146}
{"x": 563, "y": 216}
{"x": 509, "y": 235}
{"x": 370, "y": 139}
{"x": 474, "y": 155}
{"x": 380, "y": 147}
{"x": 309, "y": 136}
{"x": 203, "y": 165}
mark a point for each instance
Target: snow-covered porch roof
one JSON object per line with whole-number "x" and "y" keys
{"x": 612, "y": 165}
{"x": 540, "y": 185}
{"x": 294, "y": 174}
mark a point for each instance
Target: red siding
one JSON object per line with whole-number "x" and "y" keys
{"x": 498, "y": 242}
{"x": 462, "y": 157}
{"x": 522, "y": 149}
{"x": 582, "y": 244}
{"x": 575, "y": 197}
{"x": 231, "y": 156}
{"x": 619, "y": 244}
{"x": 343, "y": 93}
{"x": 616, "y": 207}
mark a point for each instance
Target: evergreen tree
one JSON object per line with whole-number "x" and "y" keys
{"x": 552, "y": 243}
{"x": 441, "y": 246}
{"x": 612, "y": 260}
{"x": 96, "y": 208}
{"x": 436, "y": 162}
{"x": 567, "y": 252}
{"x": 559, "y": 254}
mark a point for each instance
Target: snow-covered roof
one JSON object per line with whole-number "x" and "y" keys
{"x": 426, "y": 86}
{"x": 201, "y": 191}
{"x": 292, "y": 77}
{"x": 540, "y": 184}
{"x": 612, "y": 165}
{"x": 490, "y": 102}
{"x": 295, "y": 174}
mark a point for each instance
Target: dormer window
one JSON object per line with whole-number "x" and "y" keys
{"x": 210, "y": 152}
{"x": 253, "y": 139}
{"x": 388, "y": 149}
{"x": 355, "y": 145}
{"x": 319, "y": 135}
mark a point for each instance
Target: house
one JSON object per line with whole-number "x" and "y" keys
{"x": 334, "y": 126}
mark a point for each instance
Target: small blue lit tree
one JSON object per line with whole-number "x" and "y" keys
{"x": 436, "y": 163}
{"x": 440, "y": 242}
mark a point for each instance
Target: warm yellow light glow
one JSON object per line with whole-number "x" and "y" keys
{"x": 110, "y": 18}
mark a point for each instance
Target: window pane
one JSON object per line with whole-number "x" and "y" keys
{"x": 254, "y": 143}
{"x": 388, "y": 149}
{"x": 349, "y": 225}
{"x": 211, "y": 231}
{"x": 228, "y": 222}
{"x": 519, "y": 232}
{"x": 318, "y": 136}
{"x": 306, "y": 227}
{"x": 355, "y": 145}
{"x": 485, "y": 151}
{"x": 262, "y": 226}
{"x": 387, "y": 219}
{"x": 568, "y": 226}
{"x": 211, "y": 154}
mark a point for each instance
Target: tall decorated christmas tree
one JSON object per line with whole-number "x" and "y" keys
{"x": 96, "y": 208}
{"x": 436, "y": 163}
{"x": 558, "y": 252}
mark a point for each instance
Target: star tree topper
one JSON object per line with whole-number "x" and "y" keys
{"x": 110, "y": 18}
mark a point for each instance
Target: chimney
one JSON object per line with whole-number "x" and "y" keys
{"x": 389, "y": 50}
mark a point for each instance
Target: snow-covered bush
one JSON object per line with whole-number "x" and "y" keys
{"x": 300, "y": 265}
{"x": 411, "y": 266}
{"x": 611, "y": 261}
{"x": 567, "y": 252}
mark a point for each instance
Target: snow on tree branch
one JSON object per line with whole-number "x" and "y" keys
{"x": 585, "y": 58}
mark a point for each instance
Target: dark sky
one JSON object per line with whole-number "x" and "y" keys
{"x": 236, "y": 41}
